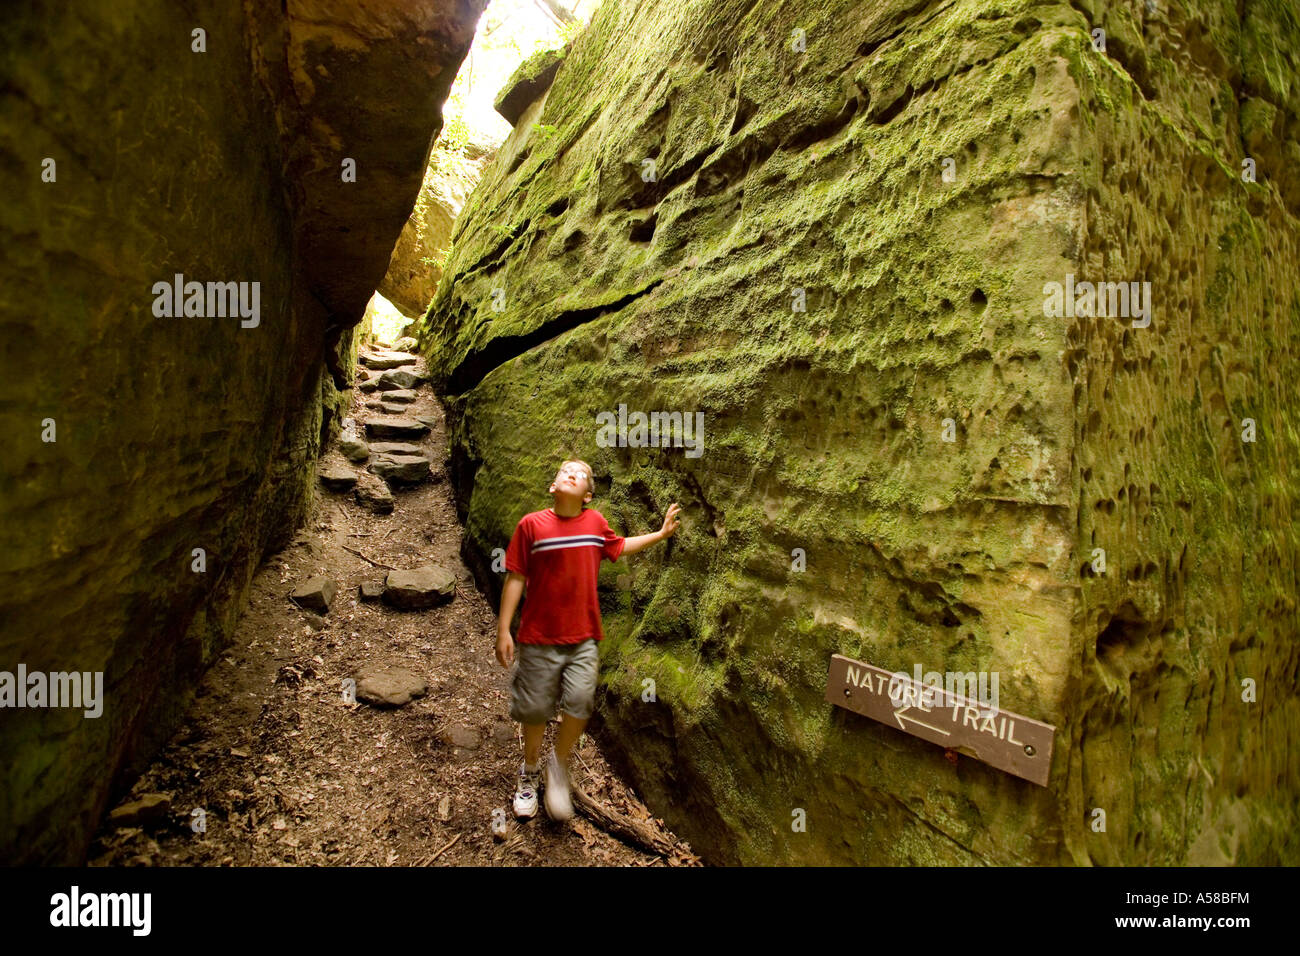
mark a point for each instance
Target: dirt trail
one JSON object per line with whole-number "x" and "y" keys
{"x": 287, "y": 772}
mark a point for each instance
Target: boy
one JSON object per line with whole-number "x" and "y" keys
{"x": 558, "y": 552}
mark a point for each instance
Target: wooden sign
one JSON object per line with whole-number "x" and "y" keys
{"x": 1011, "y": 742}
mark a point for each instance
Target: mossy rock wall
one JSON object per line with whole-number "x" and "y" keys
{"x": 576, "y": 283}
{"x": 176, "y": 434}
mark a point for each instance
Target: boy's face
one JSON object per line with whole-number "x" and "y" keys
{"x": 572, "y": 481}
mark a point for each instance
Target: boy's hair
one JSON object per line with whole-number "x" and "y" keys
{"x": 591, "y": 475}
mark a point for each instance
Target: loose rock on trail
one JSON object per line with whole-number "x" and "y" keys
{"x": 281, "y": 761}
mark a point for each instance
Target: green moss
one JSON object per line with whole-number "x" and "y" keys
{"x": 822, "y": 427}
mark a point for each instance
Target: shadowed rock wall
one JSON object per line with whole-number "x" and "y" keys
{"x": 173, "y": 434}
{"x": 578, "y": 282}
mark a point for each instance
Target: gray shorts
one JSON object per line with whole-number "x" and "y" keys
{"x": 551, "y": 674}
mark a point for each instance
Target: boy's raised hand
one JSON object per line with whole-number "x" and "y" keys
{"x": 671, "y": 521}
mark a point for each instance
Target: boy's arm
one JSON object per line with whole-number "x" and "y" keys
{"x": 643, "y": 541}
{"x": 510, "y": 595}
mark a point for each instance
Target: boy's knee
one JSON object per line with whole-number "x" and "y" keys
{"x": 580, "y": 696}
{"x": 531, "y": 710}
{"x": 579, "y": 706}
{"x": 580, "y": 684}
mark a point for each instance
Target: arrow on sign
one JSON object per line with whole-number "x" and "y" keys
{"x": 1012, "y": 742}
{"x": 898, "y": 716}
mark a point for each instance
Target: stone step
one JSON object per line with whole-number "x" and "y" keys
{"x": 354, "y": 449}
{"x": 399, "y": 428}
{"x": 373, "y": 495}
{"x": 401, "y": 469}
{"x": 397, "y": 379}
{"x": 389, "y": 686}
{"x": 419, "y": 588}
{"x": 338, "y": 478}
{"x": 403, "y": 395}
{"x": 390, "y": 408}
{"x": 397, "y": 448}
{"x": 387, "y": 360}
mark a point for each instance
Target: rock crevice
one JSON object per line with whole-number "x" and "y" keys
{"x": 182, "y": 449}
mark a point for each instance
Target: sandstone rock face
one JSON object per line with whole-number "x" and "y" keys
{"x": 413, "y": 270}
{"x": 184, "y": 448}
{"x": 842, "y": 261}
{"x": 533, "y": 78}
{"x": 366, "y": 85}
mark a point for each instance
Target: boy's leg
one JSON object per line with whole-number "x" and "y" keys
{"x": 533, "y": 693}
{"x": 533, "y": 734}
{"x": 532, "y": 702}
{"x": 578, "y": 684}
{"x": 571, "y": 729}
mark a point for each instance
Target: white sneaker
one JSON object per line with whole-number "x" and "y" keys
{"x": 525, "y": 805}
{"x": 558, "y": 804}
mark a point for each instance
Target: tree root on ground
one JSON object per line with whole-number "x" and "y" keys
{"x": 626, "y": 829}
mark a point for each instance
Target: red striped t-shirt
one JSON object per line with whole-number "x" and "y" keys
{"x": 560, "y": 557}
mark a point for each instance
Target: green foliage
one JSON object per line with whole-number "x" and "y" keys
{"x": 456, "y": 133}
{"x": 438, "y": 260}
{"x": 571, "y": 31}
